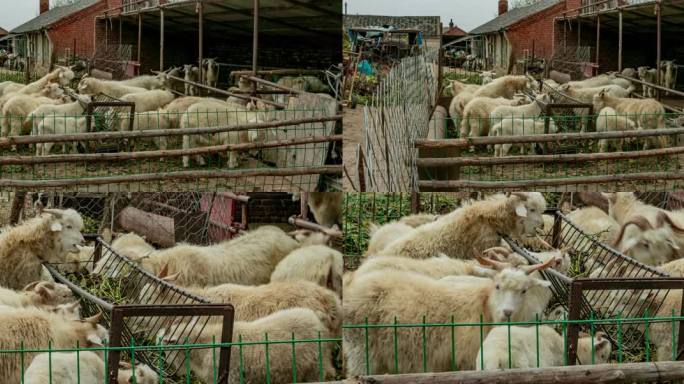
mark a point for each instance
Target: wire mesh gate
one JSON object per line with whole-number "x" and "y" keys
{"x": 592, "y": 261}
{"x": 102, "y": 115}
{"x": 123, "y": 282}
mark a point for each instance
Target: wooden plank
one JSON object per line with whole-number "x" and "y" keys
{"x": 544, "y": 159}
{"x": 528, "y": 184}
{"x": 580, "y": 374}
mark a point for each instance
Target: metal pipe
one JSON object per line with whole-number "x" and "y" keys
{"x": 620, "y": 37}
{"x": 106, "y": 34}
{"x": 200, "y": 10}
{"x": 255, "y": 45}
{"x": 579, "y": 33}
{"x": 161, "y": 39}
{"x": 139, "y": 41}
{"x": 598, "y": 43}
{"x": 226, "y": 93}
{"x": 659, "y": 48}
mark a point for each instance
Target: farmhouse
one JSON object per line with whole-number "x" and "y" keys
{"x": 519, "y": 33}
{"x": 60, "y": 32}
{"x": 4, "y": 38}
{"x": 452, "y": 32}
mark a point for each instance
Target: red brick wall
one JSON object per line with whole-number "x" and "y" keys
{"x": 79, "y": 27}
{"x": 536, "y": 30}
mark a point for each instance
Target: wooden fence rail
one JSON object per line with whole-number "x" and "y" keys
{"x": 579, "y": 374}
{"x": 18, "y": 140}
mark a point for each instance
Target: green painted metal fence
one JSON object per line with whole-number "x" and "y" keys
{"x": 263, "y": 352}
{"x": 446, "y": 331}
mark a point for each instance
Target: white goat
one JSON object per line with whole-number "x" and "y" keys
{"x": 496, "y": 353}
{"x": 520, "y": 127}
{"x": 387, "y": 296}
{"x": 609, "y": 121}
{"x": 476, "y": 225}
{"x": 48, "y": 238}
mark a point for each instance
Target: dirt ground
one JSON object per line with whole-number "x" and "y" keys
{"x": 353, "y": 135}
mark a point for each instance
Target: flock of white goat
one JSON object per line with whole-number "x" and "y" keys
{"x": 43, "y": 108}
{"x": 455, "y": 268}
{"x": 281, "y": 284}
{"x": 499, "y": 108}
{"x": 34, "y": 311}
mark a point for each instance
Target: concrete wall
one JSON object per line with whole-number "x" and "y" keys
{"x": 430, "y": 25}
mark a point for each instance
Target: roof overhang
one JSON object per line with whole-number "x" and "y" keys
{"x": 635, "y": 17}
{"x": 290, "y": 18}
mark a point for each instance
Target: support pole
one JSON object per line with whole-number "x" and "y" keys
{"x": 620, "y": 42}
{"x": 598, "y": 43}
{"x": 106, "y": 34}
{"x": 139, "y": 41}
{"x": 659, "y": 42}
{"x": 565, "y": 37}
{"x": 200, "y": 10}
{"x": 579, "y": 33}
{"x": 255, "y": 45}
{"x": 161, "y": 39}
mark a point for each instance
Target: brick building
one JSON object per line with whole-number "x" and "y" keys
{"x": 4, "y": 38}
{"x": 61, "y": 31}
{"x": 520, "y": 32}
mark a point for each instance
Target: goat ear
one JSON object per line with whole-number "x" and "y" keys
{"x": 520, "y": 210}
{"x": 611, "y": 197}
{"x": 629, "y": 244}
{"x": 42, "y": 291}
{"x": 56, "y": 226}
{"x": 95, "y": 341}
{"x": 31, "y": 286}
{"x": 125, "y": 365}
{"x": 673, "y": 244}
{"x": 604, "y": 343}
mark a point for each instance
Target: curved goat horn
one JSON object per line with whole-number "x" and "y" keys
{"x": 489, "y": 262}
{"x": 538, "y": 267}
{"x": 639, "y": 221}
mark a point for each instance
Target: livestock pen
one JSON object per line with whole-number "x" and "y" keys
{"x": 143, "y": 311}
{"x": 112, "y": 148}
{"x": 411, "y": 143}
{"x": 292, "y": 144}
{"x": 637, "y": 308}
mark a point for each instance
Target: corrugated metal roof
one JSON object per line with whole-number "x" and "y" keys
{"x": 513, "y": 16}
{"x": 54, "y": 15}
